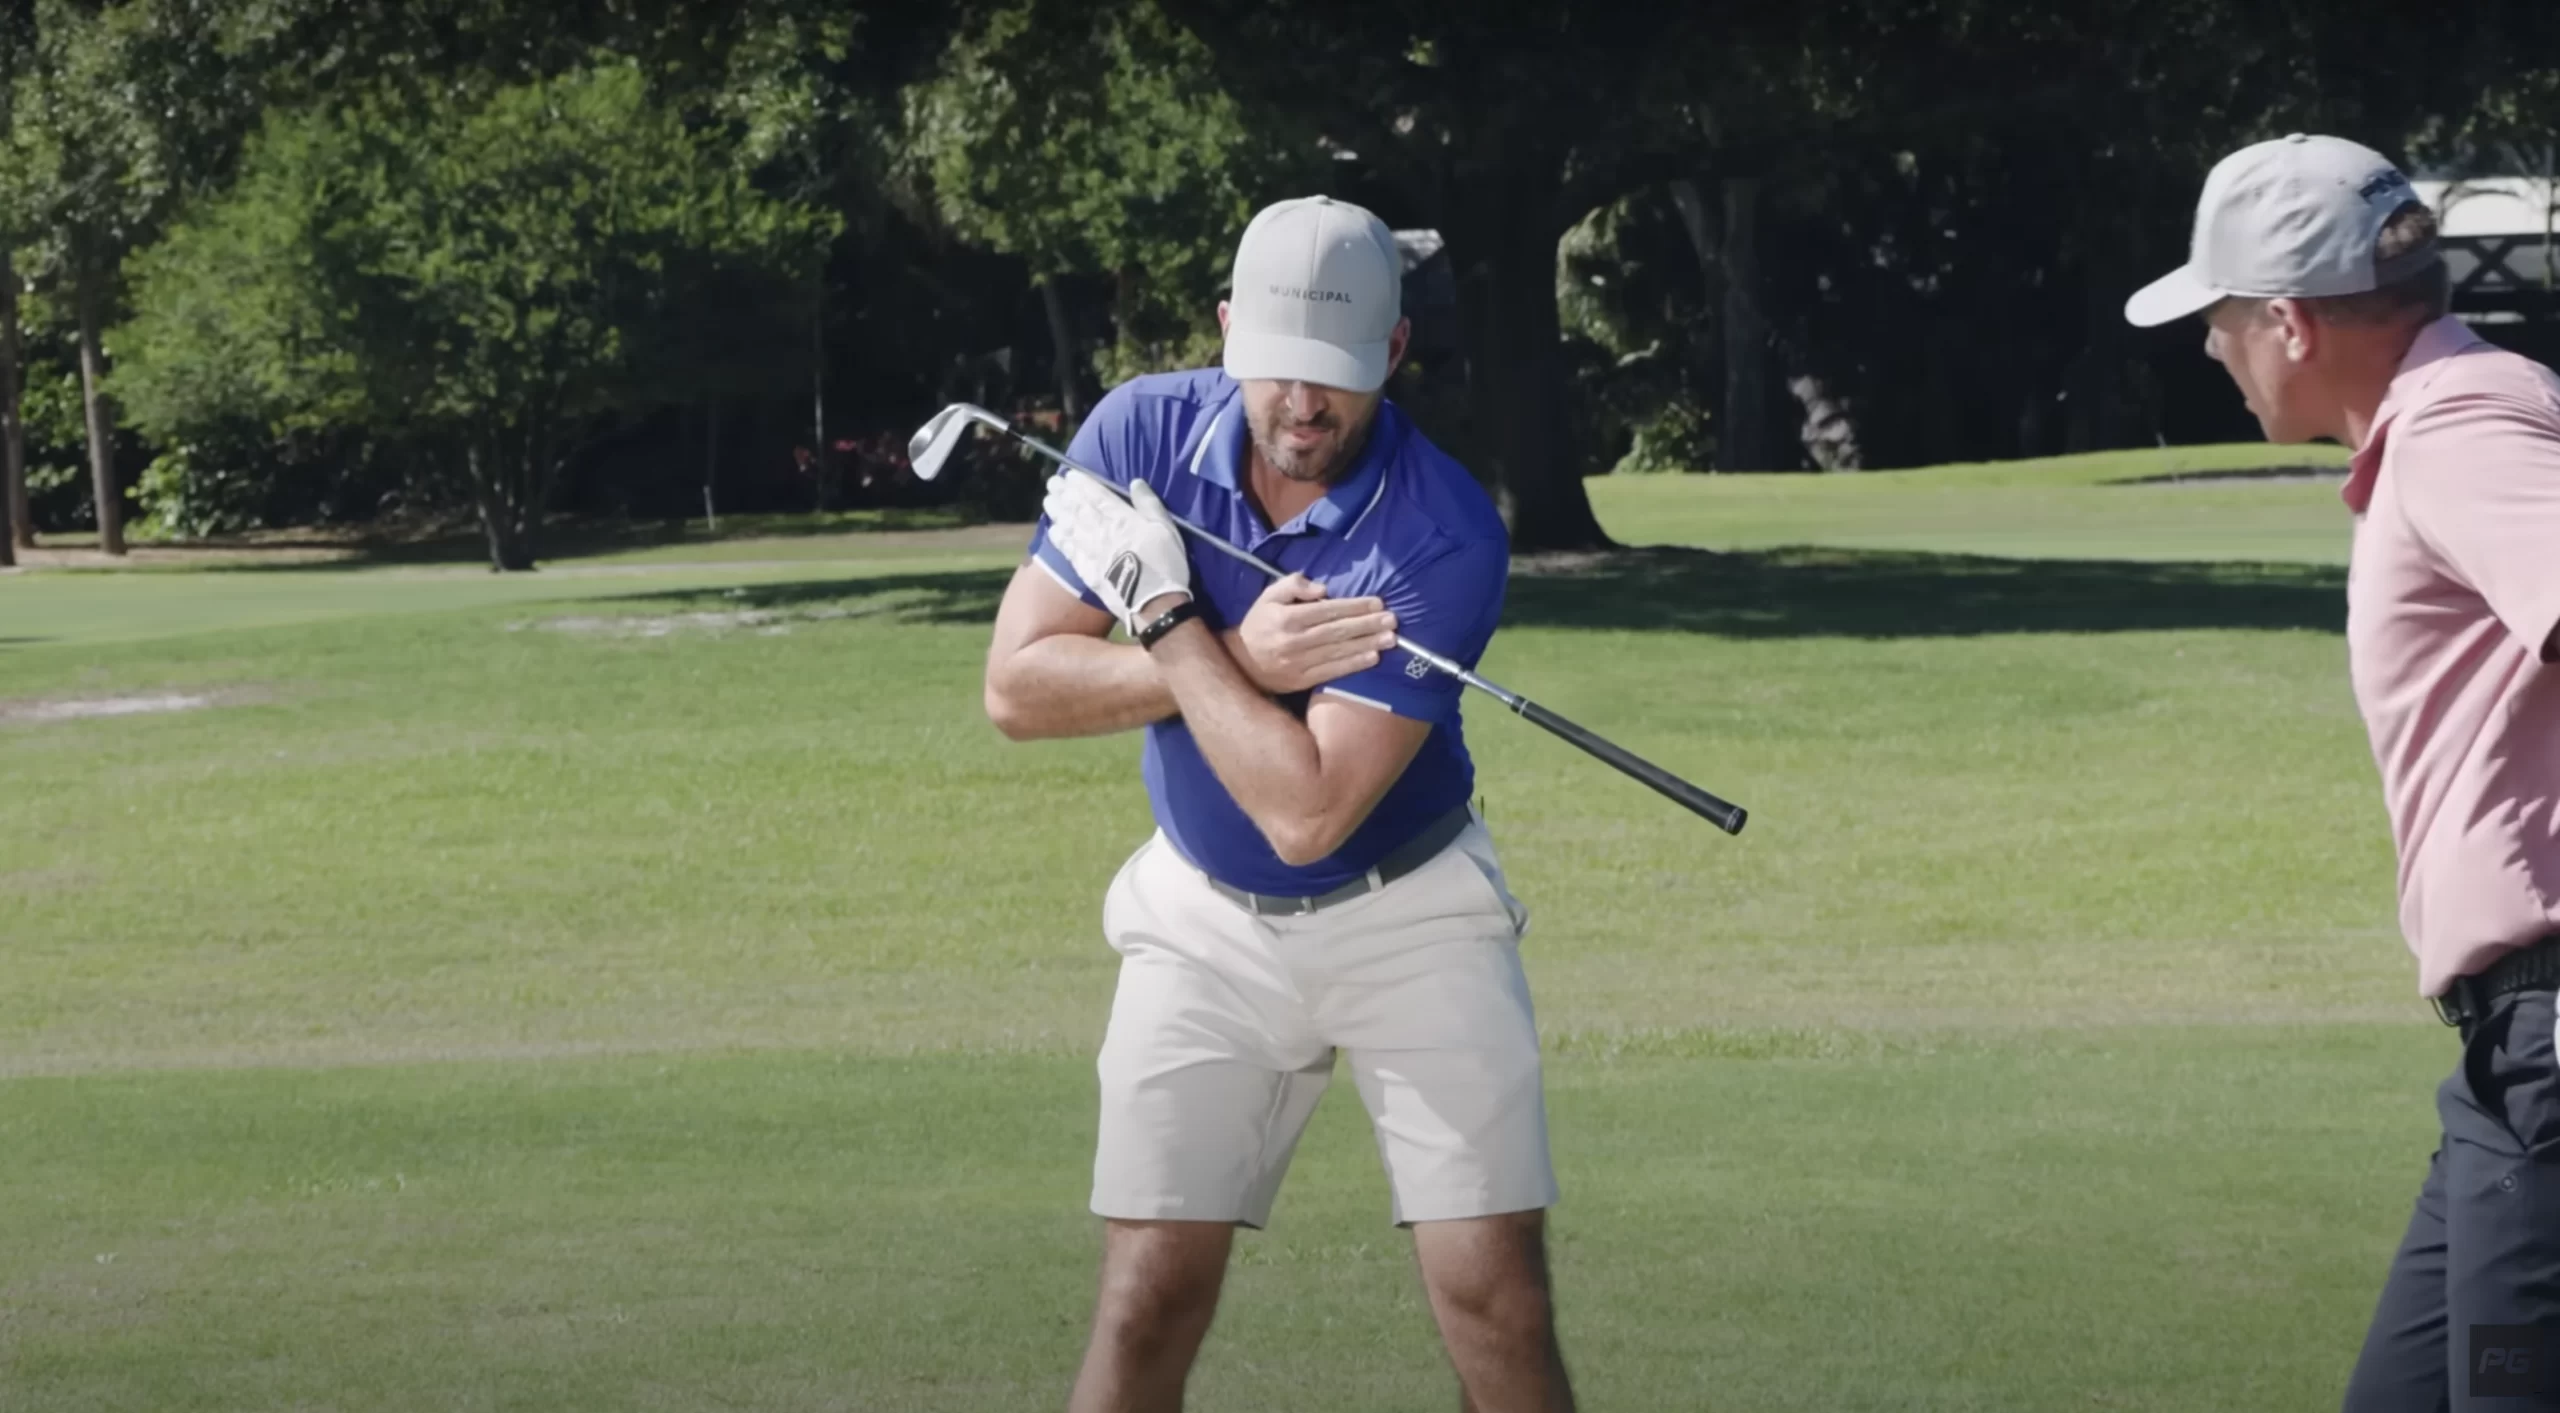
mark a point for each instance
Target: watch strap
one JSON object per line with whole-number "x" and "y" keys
{"x": 1167, "y": 621}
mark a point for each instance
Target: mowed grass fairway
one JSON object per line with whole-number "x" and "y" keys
{"x": 650, "y": 984}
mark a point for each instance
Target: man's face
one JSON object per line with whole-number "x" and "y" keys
{"x": 2266, "y": 346}
{"x": 1308, "y": 432}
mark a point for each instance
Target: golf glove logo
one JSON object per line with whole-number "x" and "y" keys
{"x": 1125, "y": 570}
{"x": 1128, "y": 552}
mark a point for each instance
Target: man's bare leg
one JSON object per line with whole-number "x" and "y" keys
{"x": 1159, "y": 1291}
{"x": 1487, "y": 1278}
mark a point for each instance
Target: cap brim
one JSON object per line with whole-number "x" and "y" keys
{"x": 2171, "y": 297}
{"x": 1287, "y": 358}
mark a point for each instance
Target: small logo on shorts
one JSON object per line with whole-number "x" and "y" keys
{"x": 2507, "y": 1361}
{"x": 1417, "y": 669}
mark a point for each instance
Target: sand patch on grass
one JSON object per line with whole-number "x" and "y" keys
{"x": 128, "y": 704}
{"x": 764, "y": 622}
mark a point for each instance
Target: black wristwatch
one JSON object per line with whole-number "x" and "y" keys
{"x": 1167, "y": 621}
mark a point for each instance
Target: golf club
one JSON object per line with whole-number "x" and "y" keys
{"x": 931, "y": 447}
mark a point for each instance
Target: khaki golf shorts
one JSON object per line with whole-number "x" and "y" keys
{"x": 1224, "y": 1029}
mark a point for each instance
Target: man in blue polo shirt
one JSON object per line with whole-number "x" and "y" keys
{"x": 1317, "y": 882}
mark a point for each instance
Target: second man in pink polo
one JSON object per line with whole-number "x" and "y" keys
{"x": 2317, "y": 272}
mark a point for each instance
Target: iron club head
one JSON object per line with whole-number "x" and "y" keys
{"x": 933, "y": 443}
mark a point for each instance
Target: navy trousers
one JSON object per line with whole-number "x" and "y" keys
{"x": 2470, "y": 1313}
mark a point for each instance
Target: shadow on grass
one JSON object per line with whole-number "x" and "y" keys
{"x": 565, "y": 542}
{"x": 2306, "y": 471}
{"x": 963, "y": 596}
{"x": 1789, "y": 593}
{"x": 1807, "y": 593}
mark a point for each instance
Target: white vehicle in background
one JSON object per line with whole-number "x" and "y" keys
{"x": 2499, "y": 219}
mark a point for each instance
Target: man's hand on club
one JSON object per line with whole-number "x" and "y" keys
{"x": 1295, "y": 638}
{"x": 1130, "y": 553}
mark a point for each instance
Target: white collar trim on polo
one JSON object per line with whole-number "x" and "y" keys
{"x": 1377, "y": 492}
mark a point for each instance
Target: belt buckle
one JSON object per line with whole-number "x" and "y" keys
{"x": 2454, "y": 1006}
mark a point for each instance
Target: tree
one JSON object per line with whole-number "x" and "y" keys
{"x": 118, "y": 109}
{"x": 17, "y": 526}
{"x": 803, "y": 94}
{"x": 1098, "y": 143}
{"x": 1974, "y": 187}
{"x": 1931, "y": 215}
{"x": 812, "y": 94}
{"x": 494, "y": 274}
{"x": 1503, "y": 126}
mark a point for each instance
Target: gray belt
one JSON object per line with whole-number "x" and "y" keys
{"x": 1413, "y": 853}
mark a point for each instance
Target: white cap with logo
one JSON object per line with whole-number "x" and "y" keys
{"x": 1317, "y": 293}
{"x": 2295, "y": 218}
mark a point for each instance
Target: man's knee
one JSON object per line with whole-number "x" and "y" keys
{"x": 1159, "y": 1283}
{"x": 1490, "y": 1272}
{"x": 1514, "y": 1312}
{"x": 1146, "y": 1312}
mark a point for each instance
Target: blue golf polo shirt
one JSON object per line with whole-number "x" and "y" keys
{"x": 1407, "y": 525}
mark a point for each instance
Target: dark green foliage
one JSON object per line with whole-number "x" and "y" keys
{"x": 346, "y": 251}
{"x": 494, "y": 276}
{"x": 1098, "y": 143}
{"x": 1636, "y": 332}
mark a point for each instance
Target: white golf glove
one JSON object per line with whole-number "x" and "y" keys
{"x": 1128, "y": 552}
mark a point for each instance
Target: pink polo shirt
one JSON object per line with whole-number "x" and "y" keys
{"x": 2452, "y": 597}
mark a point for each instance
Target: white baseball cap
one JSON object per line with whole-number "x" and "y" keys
{"x": 1316, "y": 296}
{"x": 2293, "y": 218}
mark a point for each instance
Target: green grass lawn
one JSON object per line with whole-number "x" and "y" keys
{"x": 650, "y": 984}
{"x": 2182, "y": 504}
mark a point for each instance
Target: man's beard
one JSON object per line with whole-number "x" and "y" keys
{"x": 1322, "y": 464}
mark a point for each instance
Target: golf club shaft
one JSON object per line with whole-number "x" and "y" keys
{"x": 1188, "y": 528}
{"x": 1723, "y": 814}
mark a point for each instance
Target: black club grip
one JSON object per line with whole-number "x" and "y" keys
{"x": 1723, "y": 814}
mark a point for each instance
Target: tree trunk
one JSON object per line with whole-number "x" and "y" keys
{"x": 17, "y": 531}
{"x": 1707, "y": 358}
{"x": 499, "y": 493}
{"x": 1747, "y": 441}
{"x": 1062, "y": 350}
{"x": 711, "y": 467}
{"x": 508, "y": 551}
{"x": 1124, "y": 305}
{"x": 827, "y": 466}
{"x": 93, "y": 399}
{"x": 2102, "y": 402}
{"x": 1691, "y": 203}
{"x": 1830, "y": 434}
{"x": 1831, "y": 431}
{"x": 1515, "y": 372}
{"x": 684, "y": 443}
